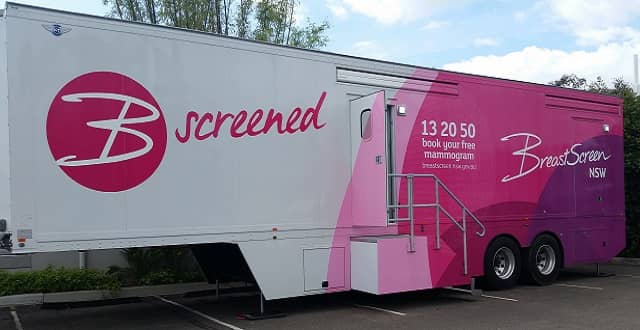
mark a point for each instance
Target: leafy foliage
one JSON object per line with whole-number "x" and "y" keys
{"x": 570, "y": 81}
{"x": 631, "y": 148}
{"x": 148, "y": 266}
{"x": 271, "y": 21}
{"x": 56, "y": 280}
{"x": 158, "y": 265}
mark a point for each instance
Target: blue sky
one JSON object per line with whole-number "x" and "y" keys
{"x": 531, "y": 40}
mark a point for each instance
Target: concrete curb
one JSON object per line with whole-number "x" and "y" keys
{"x": 95, "y": 295}
{"x": 21, "y": 299}
{"x": 626, "y": 261}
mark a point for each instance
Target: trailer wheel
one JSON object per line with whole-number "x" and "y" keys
{"x": 502, "y": 264}
{"x": 543, "y": 260}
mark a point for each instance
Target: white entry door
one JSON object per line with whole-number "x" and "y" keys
{"x": 368, "y": 160}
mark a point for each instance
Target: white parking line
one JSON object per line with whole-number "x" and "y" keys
{"x": 500, "y": 298}
{"x": 484, "y": 295}
{"x": 16, "y": 319}
{"x": 579, "y": 286}
{"x": 204, "y": 316}
{"x": 381, "y": 310}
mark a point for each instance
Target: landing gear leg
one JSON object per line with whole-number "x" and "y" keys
{"x": 475, "y": 291}
{"x": 263, "y": 314}
{"x": 602, "y": 274}
{"x": 261, "y": 304}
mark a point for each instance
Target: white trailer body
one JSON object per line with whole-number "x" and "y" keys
{"x": 291, "y": 167}
{"x": 185, "y": 72}
{"x": 246, "y": 190}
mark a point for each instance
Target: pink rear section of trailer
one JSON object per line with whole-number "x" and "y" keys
{"x": 520, "y": 159}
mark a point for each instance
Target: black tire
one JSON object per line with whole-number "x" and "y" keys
{"x": 502, "y": 264}
{"x": 543, "y": 260}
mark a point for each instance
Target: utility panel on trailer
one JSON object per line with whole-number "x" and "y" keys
{"x": 305, "y": 171}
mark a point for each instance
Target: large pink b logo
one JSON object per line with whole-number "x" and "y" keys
{"x": 106, "y": 132}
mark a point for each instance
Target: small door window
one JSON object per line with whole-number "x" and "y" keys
{"x": 365, "y": 124}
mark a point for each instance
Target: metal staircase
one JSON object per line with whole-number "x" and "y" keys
{"x": 411, "y": 206}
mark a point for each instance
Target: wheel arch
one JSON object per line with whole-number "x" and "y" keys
{"x": 505, "y": 235}
{"x": 509, "y": 236}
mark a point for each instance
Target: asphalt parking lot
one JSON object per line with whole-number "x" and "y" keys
{"x": 578, "y": 300}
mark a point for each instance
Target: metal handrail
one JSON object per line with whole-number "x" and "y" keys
{"x": 411, "y": 206}
{"x": 464, "y": 208}
{"x": 451, "y": 218}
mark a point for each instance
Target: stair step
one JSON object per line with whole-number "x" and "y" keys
{"x": 383, "y": 264}
{"x": 376, "y": 238}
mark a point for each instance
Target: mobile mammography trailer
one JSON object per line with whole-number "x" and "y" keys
{"x": 305, "y": 171}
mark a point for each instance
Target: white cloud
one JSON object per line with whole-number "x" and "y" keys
{"x": 300, "y": 15}
{"x": 485, "y": 42}
{"x": 363, "y": 44}
{"x": 434, "y": 25}
{"x": 595, "y": 22}
{"x": 594, "y": 37}
{"x": 604, "y": 25}
{"x": 542, "y": 65}
{"x": 520, "y": 16}
{"x": 397, "y": 11}
{"x": 594, "y": 13}
{"x": 337, "y": 9}
{"x": 369, "y": 49}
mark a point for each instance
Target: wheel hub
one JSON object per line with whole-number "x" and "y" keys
{"x": 545, "y": 259}
{"x": 504, "y": 263}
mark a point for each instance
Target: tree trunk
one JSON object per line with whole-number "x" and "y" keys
{"x": 131, "y": 8}
{"x": 290, "y": 25}
{"x": 226, "y": 4}
{"x": 151, "y": 11}
{"x": 118, "y": 5}
{"x": 218, "y": 17}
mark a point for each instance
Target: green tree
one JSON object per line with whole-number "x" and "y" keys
{"x": 631, "y": 112}
{"x": 270, "y": 21}
{"x": 570, "y": 81}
